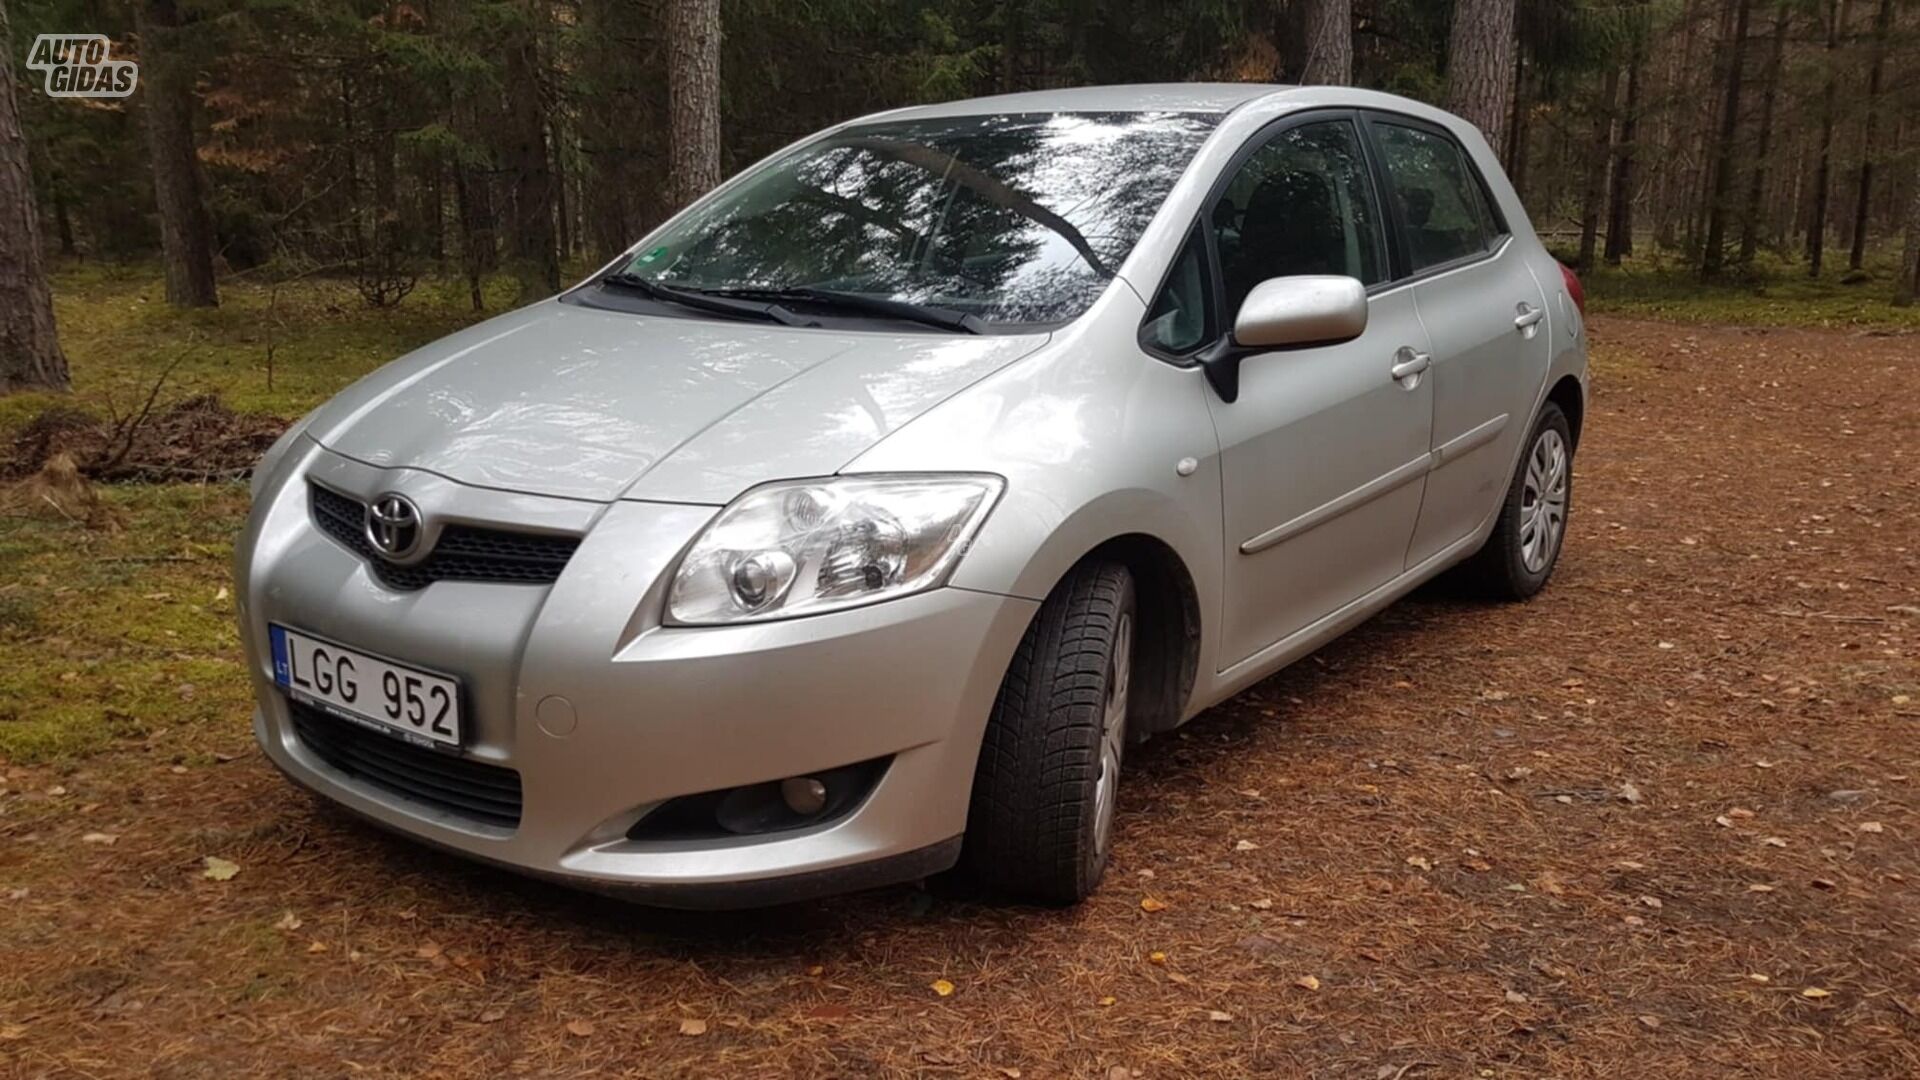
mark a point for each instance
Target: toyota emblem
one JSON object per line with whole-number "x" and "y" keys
{"x": 393, "y": 525}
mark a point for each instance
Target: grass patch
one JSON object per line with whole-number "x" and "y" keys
{"x": 1772, "y": 292}
{"x": 120, "y": 335}
{"x": 110, "y": 635}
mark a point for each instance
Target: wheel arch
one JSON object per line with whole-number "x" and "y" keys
{"x": 1572, "y": 400}
{"x": 1167, "y": 658}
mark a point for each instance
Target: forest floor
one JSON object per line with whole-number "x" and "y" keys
{"x": 1660, "y": 821}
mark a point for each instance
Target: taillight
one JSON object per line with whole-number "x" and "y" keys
{"x": 1573, "y": 288}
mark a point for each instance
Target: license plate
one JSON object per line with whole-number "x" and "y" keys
{"x": 416, "y": 705}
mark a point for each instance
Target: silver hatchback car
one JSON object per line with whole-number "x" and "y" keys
{"x": 852, "y": 525}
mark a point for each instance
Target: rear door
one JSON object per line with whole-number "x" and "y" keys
{"x": 1482, "y": 309}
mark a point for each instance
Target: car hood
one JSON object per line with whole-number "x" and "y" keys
{"x": 560, "y": 399}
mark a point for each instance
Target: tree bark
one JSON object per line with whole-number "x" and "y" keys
{"x": 1620, "y": 208}
{"x": 561, "y": 216}
{"x": 1599, "y": 156}
{"x": 1328, "y": 40}
{"x": 166, "y": 79}
{"x": 63, "y": 222}
{"x": 693, "y": 98}
{"x": 1714, "y": 254}
{"x": 30, "y": 356}
{"x": 1863, "y": 202}
{"x": 1907, "y": 290}
{"x": 1763, "y": 149}
{"x": 1837, "y": 18}
{"x": 1515, "y": 158}
{"x": 536, "y": 260}
{"x": 1480, "y": 64}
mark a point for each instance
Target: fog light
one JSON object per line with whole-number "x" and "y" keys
{"x": 771, "y": 806}
{"x": 804, "y": 795}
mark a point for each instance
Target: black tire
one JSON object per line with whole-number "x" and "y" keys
{"x": 1033, "y": 828}
{"x": 1499, "y": 569}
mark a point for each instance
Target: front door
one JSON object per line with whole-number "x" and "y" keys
{"x": 1325, "y": 452}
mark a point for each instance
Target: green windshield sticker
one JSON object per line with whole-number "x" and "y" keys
{"x": 654, "y": 254}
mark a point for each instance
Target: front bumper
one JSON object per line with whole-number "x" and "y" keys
{"x": 650, "y": 712}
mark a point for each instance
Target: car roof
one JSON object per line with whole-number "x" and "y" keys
{"x": 1143, "y": 97}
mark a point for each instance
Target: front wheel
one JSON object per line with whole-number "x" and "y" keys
{"x": 1041, "y": 821}
{"x": 1518, "y": 558}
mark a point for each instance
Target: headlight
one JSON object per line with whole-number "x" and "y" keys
{"x": 808, "y": 546}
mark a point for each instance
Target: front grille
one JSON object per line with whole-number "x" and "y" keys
{"x": 488, "y": 794}
{"x": 463, "y": 552}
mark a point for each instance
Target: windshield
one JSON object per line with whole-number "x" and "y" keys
{"x": 1011, "y": 219}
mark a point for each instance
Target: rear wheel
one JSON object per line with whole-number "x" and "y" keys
{"x": 1518, "y": 558}
{"x": 1041, "y": 822}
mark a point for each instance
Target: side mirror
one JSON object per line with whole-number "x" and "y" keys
{"x": 1287, "y": 313}
{"x": 1312, "y": 309}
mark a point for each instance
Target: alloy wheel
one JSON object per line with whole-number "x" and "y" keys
{"x": 1113, "y": 732}
{"x": 1543, "y": 501}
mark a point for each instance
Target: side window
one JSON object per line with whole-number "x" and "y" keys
{"x": 1181, "y": 319}
{"x": 1302, "y": 204}
{"x": 1439, "y": 194}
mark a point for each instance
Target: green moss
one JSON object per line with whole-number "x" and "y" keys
{"x": 1771, "y": 292}
{"x": 114, "y": 635}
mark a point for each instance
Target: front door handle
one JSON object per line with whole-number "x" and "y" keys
{"x": 1408, "y": 364}
{"x": 1528, "y": 318}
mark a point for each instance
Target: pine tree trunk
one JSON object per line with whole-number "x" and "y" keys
{"x": 1620, "y": 208}
{"x": 1757, "y": 182}
{"x": 1714, "y": 253}
{"x": 1907, "y": 290}
{"x": 1480, "y": 66}
{"x": 536, "y": 261}
{"x": 1517, "y": 133}
{"x": 476, "y": 243}
{"x": 1837, "y": 18}
{"x": 561, "y": 215}
{"x": 166, "y": 80}
{"x": 63, "y": 222}
{"x": 1599, "y": 154}
{"x": 1328, "y": 59}
{"x": 1863, "y": 201}
{"x": 388, "y": 224}
{"x": 30, "y": 355}
{"x": 433, "y": 204}
{"x": 693, "y": 98}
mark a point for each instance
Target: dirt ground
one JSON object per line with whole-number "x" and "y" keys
{"x": 1661, "y": 821}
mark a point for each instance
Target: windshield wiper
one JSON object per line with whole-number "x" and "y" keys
{"x": 862, "y": 304}
{"x": 707, "y": 300}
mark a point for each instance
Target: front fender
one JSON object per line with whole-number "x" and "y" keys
{"x": 1096, "y": 440}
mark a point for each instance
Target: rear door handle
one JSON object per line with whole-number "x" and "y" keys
{"x": 1408, "y": 364}
{"x": 1528, "y": 318}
